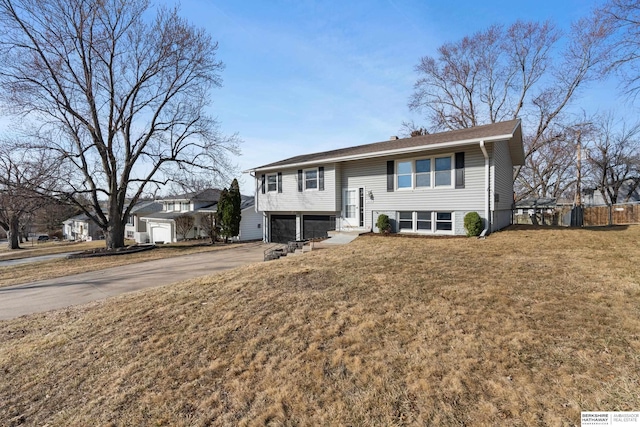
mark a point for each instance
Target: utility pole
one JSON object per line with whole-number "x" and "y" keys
{"x": 578, "y": 199}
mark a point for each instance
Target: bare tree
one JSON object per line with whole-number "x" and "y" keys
{"x": 209, "y": 225}
{"x": 21, "y": 178}
{"x": 614, "y": 160}
{"x": 117, "y": 94}
{"x": 505, "y": 73}
{"x": 624, "y": 18}
{"x": 184, "y": 224}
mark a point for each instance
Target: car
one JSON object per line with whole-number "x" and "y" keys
{"x": 43, "y": 238}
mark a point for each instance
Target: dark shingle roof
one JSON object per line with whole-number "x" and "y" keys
{"x": 509, "y": 130}
{"x": 208, "y": 195}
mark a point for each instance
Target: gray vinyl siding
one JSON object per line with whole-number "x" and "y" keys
{"x": 371, "y": 174}
{"x": 292, "y": 200}
{"x": 501, "y": 178}
{"x": 250, "y": 225}
{"x": 501, "y": 219}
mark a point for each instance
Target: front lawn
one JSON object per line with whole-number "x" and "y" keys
{"x": 528, "y": 327}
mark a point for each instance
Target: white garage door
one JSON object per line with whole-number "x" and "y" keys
{"x": 161, "y": 233}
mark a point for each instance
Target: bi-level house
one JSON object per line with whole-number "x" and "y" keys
{"x": 425, "y": 184}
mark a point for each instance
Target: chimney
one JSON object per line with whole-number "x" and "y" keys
{"x": 393, "y": 138}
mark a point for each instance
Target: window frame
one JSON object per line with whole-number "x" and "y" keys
{"x": 304, "y": 179}
{"x": 275, "y": 182}
{"x": 431, "y": 174}
{"x": 433, "y": 222}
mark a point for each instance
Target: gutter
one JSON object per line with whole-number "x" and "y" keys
{"x": 487, "y": 212}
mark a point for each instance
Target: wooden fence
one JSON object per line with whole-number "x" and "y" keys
{"x": 612, "y": 215}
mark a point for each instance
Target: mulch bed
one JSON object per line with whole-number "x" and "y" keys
{"x": 110, "y": 252}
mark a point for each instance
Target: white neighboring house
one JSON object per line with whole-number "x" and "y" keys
{"x": 425, "y": 185}
{"x": 134, "y": 227}
{"x": 80, "y": 227}
{"x": 161, "y": 226}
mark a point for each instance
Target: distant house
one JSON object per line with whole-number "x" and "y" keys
{"x": 629, "y": 193}
{"x": 425, "y": 184}
{"x": 81, "y": 227}
{"x": 161, "y": 225}
{"x": 135, "y": 228}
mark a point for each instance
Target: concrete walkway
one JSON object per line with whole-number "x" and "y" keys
{"x": 81, "y": 288}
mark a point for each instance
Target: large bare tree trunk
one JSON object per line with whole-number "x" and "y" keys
{"x": 13, "y": 233}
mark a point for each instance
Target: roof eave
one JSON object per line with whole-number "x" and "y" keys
{"x": 407, "y": 150}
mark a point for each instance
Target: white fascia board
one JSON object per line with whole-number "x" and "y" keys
{"x": 408, "y": 150}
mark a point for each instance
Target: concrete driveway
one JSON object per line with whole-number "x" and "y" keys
{"x": 81, "y": 288}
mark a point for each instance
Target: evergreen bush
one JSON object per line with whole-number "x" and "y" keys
{"x": 383, "y": 224}
{"x": 473, "y": 224}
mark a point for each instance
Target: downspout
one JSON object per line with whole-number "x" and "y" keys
{"x": 487, "y": 213}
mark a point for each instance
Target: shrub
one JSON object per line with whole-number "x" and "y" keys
{"x": 383, "y": 224}
{"x": 473, "y": 224}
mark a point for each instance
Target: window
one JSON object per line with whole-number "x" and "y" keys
{"x": 185, "y": 206}
{"x": 405, "y": 173}
{"x": 443, "y": 221}
{"x": 405, "y": 222}
{"x": 423, "y": 173}
{"x": 272, "y": 182}
{"x": 130, "y": 220}
{"x": 169, "y": 206}
{"x": 350, "y": 204}
{"x": 443, "y": 171}
{"x": 311, "y": 179}
{"x": 424, "y": 221}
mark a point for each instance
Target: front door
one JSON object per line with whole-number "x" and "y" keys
{"x": 353, "y": 209}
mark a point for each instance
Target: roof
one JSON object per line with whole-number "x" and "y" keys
{"x": 509, "y": 130}
{"x": 540, "y": 202}
{"x": 147, "y": 206}
{"x": 207, "y": 195}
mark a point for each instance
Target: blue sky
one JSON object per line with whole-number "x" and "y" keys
{"x": 306, "y": 76}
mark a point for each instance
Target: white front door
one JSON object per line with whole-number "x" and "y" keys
{"x": 352, "y": 208}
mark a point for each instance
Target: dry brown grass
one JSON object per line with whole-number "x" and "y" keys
{"x": 528, "y": 327}
{"x": 41, "y": 270}
{"x": 33, "y": 248}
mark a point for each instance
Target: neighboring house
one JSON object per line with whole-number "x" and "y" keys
{"x": 134, "y": 227}
{"x": 161, "y": 226}
{"x": 425, "y": 184}
{"x": 629, "y": 193}
{"x": 80, "y": 227}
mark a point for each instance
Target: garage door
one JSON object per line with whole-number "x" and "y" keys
{"x": 283, "y": 228}
{"x": 315, "y": 226}
{"x": 161, "y": 233}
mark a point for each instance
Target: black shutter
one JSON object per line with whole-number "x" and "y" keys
{"x": 321, "y": 178}
{"x": 460, "y": 170}
{"x": 390, "y": 175}
{"x": 263, "y": 186}
{"x": 279, "y": 182}
{"x": 299, "y": 179}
